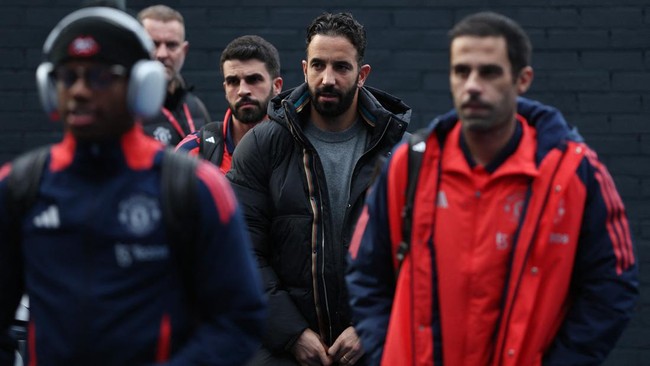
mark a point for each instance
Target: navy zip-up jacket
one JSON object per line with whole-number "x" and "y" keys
{"x": 104, "y": 283}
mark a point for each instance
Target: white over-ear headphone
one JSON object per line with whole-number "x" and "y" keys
{"x": 147, "y": 80}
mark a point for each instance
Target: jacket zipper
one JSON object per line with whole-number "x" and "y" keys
{"x": 317, "y": 214}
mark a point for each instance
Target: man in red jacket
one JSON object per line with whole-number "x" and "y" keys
{"x": 519, "y": 251}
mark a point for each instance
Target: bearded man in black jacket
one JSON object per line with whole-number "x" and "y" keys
{"x": 302, "y": 179}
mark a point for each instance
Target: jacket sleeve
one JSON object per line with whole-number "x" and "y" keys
{"x": 227, "y": 287}
{"x": 11, "y": 278}
{"x": 604, "y": 288}
{"x": 370, "y": 276}
{"x": 250, "y": 176}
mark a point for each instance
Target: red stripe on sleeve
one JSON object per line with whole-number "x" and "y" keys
{"x": 617, "y": 224}
{"x": 164, "y": 340}
{"x": 31, "y": 343}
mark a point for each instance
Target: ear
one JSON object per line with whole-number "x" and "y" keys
{"x": 304, "y": 69}
{"x": 186, "y": 47}
{"x": 277, "y": 85}
{"x": 525, "y": 79}
{"x": 364, "y": 71}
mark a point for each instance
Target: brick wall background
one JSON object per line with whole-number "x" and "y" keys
{"x": 591, "y": 57}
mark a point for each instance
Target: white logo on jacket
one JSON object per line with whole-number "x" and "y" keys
{"x": 163, "y": 135}
{"x": 48, "y": 219}
{"x": 502, "y": 240}
{"x": 513, "y": 206}
{"x": 126, "y": 254}
{"x": 139, "y": 214}
{"x": 559, "y": 238}
{"x": 419, "y": 147}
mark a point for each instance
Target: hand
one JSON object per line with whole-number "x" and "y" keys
{"x": 309, "y": 350}
{"x": 347, "y": 349}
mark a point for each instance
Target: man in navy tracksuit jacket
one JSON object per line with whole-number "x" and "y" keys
{"x": 106, "y": 284}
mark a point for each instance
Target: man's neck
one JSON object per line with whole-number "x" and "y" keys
{"x": 485, "y": 145}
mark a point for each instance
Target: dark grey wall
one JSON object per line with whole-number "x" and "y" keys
{"x": 591, "y": 57}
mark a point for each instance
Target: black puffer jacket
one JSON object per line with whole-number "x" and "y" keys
{"x": 280, "y": 182}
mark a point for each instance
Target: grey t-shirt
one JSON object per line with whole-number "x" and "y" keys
{"x": 338, "y": 152}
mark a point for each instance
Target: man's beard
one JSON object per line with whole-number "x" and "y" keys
{"x": 250, "y": 115}
{"x": 333, "y": 109}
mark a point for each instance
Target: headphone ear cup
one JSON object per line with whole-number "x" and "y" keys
{"x": 46, "y": 88}
{"x": 147, "y": 86}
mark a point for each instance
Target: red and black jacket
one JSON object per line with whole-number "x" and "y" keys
{"x": 570, "y": 286}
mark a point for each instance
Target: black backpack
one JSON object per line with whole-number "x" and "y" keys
{"x": 211, "y": 142}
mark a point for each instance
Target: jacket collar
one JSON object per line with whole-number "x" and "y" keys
{"x": 133, "y": 149}
{"x": 553, "y": 131}
{"x": 379, "y": 110}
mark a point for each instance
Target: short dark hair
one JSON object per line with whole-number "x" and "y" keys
{"x": 341, "y": 24}
{"x": 488, "y": 24}
{"x": 253, "y": 47}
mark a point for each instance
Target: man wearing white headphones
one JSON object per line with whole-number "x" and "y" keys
{"x": 87, "y": 226}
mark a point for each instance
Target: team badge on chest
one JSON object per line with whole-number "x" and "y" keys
{"x": 139, "y": 214}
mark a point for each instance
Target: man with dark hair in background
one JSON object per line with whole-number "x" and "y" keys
{"x": 183, "y": 112}
{"x": 250, "y": 66}
{"x": 302, "y": 178}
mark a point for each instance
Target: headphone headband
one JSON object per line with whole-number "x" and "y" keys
{"x": 111, "y": 36}
{"x": 115, "y": 17}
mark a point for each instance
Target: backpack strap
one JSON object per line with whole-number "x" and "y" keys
{"x": 180, "y": 207}
{"x": 416, "y": 148}
{"x": 22, "y": 190}
{"x": 23, "y": 182}
{"x": 211, "y": 142}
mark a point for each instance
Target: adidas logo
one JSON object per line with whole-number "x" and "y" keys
{"x": 419, "y": 147}
{"x": 211, "y": 140}
{"x": 48, "y": 219}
